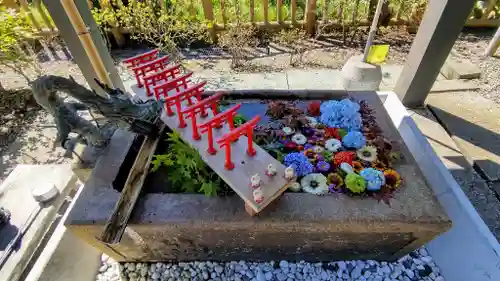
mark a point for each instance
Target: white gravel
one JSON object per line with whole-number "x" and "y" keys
{"x": 416, "y": 266}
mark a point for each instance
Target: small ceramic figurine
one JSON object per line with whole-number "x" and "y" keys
{"x": 289, "y": 173}
{"x": 255, "y": 181}
{"x": 271, "y": 170}
{"x": 258, "y": 195}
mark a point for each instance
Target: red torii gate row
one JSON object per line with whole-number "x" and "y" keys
{"x": 176, "y": 83}
{"x": 200, "y": 107}
{"x": 186, "y": 95}
{"x": 141, "y": 58}
{"x": 216, "y": 122}
{"x": 152, "y": 66}
{"x": 152, "y": 79}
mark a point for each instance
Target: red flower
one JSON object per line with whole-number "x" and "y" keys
{"x": 344, "y": 156}
{"x": 313, "y": 108}
{"x": 332, "y": 133}
{"x": 290, "y": 145}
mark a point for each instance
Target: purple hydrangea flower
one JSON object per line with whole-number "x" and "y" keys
{"x": 375, "y": 179}
{"x": 299, "y": 162}
{"x": 354, "y": 139}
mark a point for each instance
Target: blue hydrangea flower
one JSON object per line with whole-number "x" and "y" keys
{"x": 375, "y": 179}
{"x": 341, "y": 114}
{"x": 299, "y": 163}
{"x": 354, "y": 139}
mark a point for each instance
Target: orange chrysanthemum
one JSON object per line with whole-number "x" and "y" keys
{"x": 392, "y": 178}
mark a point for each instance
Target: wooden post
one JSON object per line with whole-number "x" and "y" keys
{"x": 86, "y": 40}
{"x": 41, "y": 11}
{"x": 209, "y": 15}
{"x": 442, "y": 23}
{"x": 325, "y": 11}
{"x": 252, "y": 11}
{"x": 265, "y": 4}
{"x": 311, "y": 17}
{"x": 26, "y": 8}
{"x": 279, "y": 5}
{"x": 294, "y": 12}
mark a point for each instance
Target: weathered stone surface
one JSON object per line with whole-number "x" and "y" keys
{"x": 453, "y": 85}
{"x": 474, "y": 124}
{"x": 298, "y": 226}
{"x": 455, "y": 68}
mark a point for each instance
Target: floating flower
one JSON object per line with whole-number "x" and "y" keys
{"x": 320, "y": 157}
{"x": 346, "y": 168}
{"x": 344, "y": 114}
{"x": 283, "y": 139}
{"x": 333, "y": 145}
{"x": 378, "y": 165}
{"x": 300, "y": 147}
{"x": 299, "y": 139}
{"x": 344, "y": 156}
{"x": 336, "y": 179}
{"x": 290, "y": 146}
{"x": 392, "y": 178}
{"x": 323, "y": 166}
{"x": 312, "y": 140}
{"x": 333, "y": 188}
{"x": 295, "y": 187}
{"x": 367, "y": 153}
{"x": 318, "y": 149}
{"x": 308, "y": 131}
{"x": 374, "y": 178}
{"x": 313, "y": 108}
{"x": 307, "y": 146}
{"x": 299, "y": 162}
{"x": 312, "y": 121}
{"x": 314, "y": 184}
{"x": 354, "y": 139}
{"x": 332, "y": 133}
{"x": 357, "y": 166}
{"x": 355, "y": 183}
{"x": 288, "y": 130}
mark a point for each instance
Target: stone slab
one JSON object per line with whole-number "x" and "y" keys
{"x": 474, "y": 124}
{"x": 455, "y": 68}
{"x": 17, "y": 198}
{"x": 65, "y": 258}
{"x": 441, "y": 86}
{"x": 298, "y": 226}
{"x": 391, "y": 73}
{"x": 324, "y": 79}
{"x": 468, "y": 251}
{"x": 481, "y": 195}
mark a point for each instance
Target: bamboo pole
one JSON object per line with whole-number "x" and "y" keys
{"x": 86, "y": 40}
{"x": 373, "y": 29}
{"x": 494, "y": 44}
{"x": 294, "y": 11}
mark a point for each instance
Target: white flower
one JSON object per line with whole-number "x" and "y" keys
{"x": 288, "y": 130}
{"x": 295, "y": 187}
{"x": 299, "y": 139}
{"x": 367, "y": 153}
{"x": 312, "y": 121}
{"x": 333, "y": 145}
{"x": 315, "y": 184}
{"x": 346, "y": 168}
{"x": 318, "y": 149}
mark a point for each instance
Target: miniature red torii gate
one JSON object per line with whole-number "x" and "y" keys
{"x": 200, "y": 107}
{"x": 152, "y": 79}
{"x": 176, "y": 83}
{"x": 186, "y": 95}
{"x": 154, "y": 65}
{"x": 216, "y": 122}
{"x": 233, "y": 135}
{"x": 141, "y": 58}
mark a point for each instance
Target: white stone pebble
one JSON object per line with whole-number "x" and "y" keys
{"x": 416, "y": 266}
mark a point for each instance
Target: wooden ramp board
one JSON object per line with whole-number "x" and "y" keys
{"x": 244, "y": 165}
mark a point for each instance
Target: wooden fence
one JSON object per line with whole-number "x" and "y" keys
{"x": 313, "y": 14}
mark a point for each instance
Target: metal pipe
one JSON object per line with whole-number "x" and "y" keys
{"x": 373, "y": 29}
{"x": 85, "y": 37}
{"x": 494, "y": 44}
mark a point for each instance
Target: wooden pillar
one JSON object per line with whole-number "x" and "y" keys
{"x": 311, "y": 17}
{"x": 442, "y": 23}
{"x": 208, "y": 10}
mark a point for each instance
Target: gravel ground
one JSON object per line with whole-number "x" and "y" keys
{"x": 416, "y": 266}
